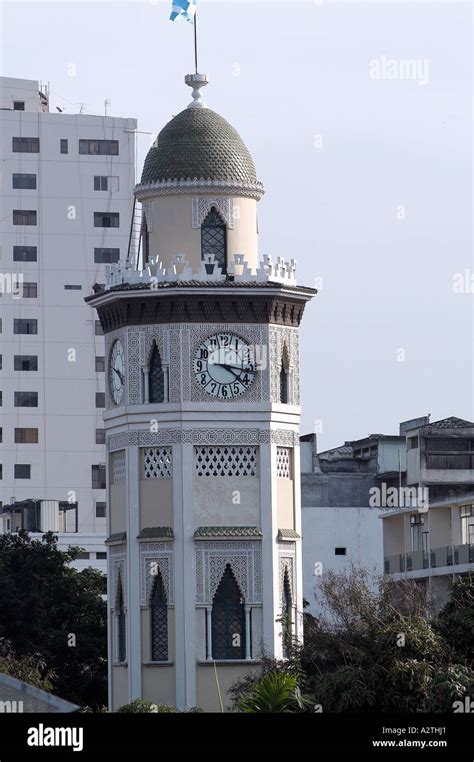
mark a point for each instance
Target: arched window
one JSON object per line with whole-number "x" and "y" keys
{"x": 284, "y": 372}
{"x": 120, "y": 619}
{"x": 159, "y": 621}
{"x": 145, "y": 241}
{"x": 214, "y": 238}
{"x": 228, "y": 619}
{"x": 286, "y": 619}
{"x": 157, "y": 376}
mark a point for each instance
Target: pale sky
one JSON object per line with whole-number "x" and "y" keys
{"x": 368, "y": 173}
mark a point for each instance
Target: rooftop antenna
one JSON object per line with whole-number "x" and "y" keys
{"x": 82, "y": 108}
{"x": 106, "y": 105}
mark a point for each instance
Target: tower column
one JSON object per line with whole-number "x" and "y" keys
{"x": 133, "y": 575}
{"x": 270, "y": 571}
{"x": 185, "y": 581}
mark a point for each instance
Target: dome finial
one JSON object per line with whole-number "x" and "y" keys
{"x": 196, "y": 81}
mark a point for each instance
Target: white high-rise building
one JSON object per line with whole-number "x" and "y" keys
{"x": 66, "y": 207}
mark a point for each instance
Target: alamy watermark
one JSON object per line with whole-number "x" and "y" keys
{"x": 400, "y": 69}
{"x": 399, "y": 497}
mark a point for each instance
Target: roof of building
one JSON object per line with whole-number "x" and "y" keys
{"x": 23, "y": 697}
{"x": 155, "y": 532}
{"x": 198, "y": 144}
{"x": 231, "y": 531}
{"x": 449, "y": 423}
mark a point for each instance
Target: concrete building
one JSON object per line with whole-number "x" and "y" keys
{"x": 340, "y": 526}
{"x": 66, "y": 206}
{"x": 432, "y": 540}
{"x": 202, "y": 419}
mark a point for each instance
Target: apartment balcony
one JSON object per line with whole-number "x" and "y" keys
{"x": 448, "y": 559}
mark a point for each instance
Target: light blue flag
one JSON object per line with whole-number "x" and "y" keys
{"x": 183, "y": 10}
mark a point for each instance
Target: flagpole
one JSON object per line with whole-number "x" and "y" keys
{"x": 195, "y": 43}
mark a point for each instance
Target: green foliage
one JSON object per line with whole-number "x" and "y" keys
{"x": 374, "y": 649}
{"x": 29, "y": 669}
{"x": 456, "y": 621}
{"x": 140, "y": 706}
{"x": 275, "y": 692}
{"x": 43, "y": 601}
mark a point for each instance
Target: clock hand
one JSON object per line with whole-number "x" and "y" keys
{"x": 118, "y": 374}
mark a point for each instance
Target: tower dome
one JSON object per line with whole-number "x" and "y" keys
{"x": 199, "y": 144}
{"x": 200, "y": 147}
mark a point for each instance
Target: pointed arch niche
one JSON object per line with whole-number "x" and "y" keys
{"x": 159, "y": 620}
{"x": 285, "y": 377}
{"x": 227, "y": 639}
{"x": 155, "y": 377}
{"x": 120, "y": 623}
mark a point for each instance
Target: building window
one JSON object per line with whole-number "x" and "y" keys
{"x": 25, "y": 326}
{"x": 214, "y": 238}
{"x": 72, "y": 287}
{"x": 1, "y": 440}
{"x": 412, "y": 443}
{"x": 340, "y": 551}
{"x": 63, "y": 146}
{"x": 100, "y": 508}
{"x": 25, "y": 253}
{"x": 157, "y": 376}
{"x": 98, "y": 476}
{"x": 228, "y": 619}
{"x": 25, "y": 362}
{"x": 100, "y": 364}
{"x": 104, "y": 256}
{"x": 101, "y": 556}
{"x": 467, "y": 525}
{"x": 99, "y": 147}
{"x": 225, "y": 460}
{"x": 120, "y": 620}
{"x": 25, "y": 217}
{"x": 26, "y": 399}
{"x": 1, "y": 471}
{"x": 25, "y": 145}
{"x": 106, "y": 219}
{"x": 286, "y": 617}
{"x": 100, "y": 436}
{"x": 1, "y": 399}
{"x": 1, "y": 362}
{"x": 26, "y": 436}
{"x": 283, "y": 384}
{"x": 100, "y": 182}
{"x": 18, "y": 105}
{"x": 100, "y": 399}
{"x": 98, "y": 328}
{"x": 284, "y": 463}
{"x": 29, "y": 290}
{"x": 159, "y": 621}
{"x": 22, "y": 471}
{"x": 419, "y": 539}
{"x": 22, "y": 181}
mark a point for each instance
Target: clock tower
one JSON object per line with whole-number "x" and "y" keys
{"x": 202, "y": 421}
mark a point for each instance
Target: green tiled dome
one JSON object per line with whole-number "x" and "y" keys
{"x": 198, "y": 144}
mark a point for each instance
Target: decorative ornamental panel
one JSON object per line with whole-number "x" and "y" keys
{"x": 245, "y": 558}
{"x": 134, "y": 370}
{"x": 284, "y": 349}
{"x": 202, "y": 205}
{"x": 231, "y": 436}
{"x": 225, "y": 461}
{"x": 154, "y": 557}
{"x": 118, "y": 466}
{"x": 157, "y": 463}
{"x": 283, "y": 462}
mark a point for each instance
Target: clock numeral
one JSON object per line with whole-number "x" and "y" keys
{"x": 204, "y": 379}
{"x": 204, "y": 354}
{"x": 213, "y": 387}
{"x": 224, "y": 390}
{"x": 236, "y": 388}
{"x": 199, "y": 365}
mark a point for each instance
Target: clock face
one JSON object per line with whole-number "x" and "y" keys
{"x": 117, "y": 372}
{"x": 224, "y": 366}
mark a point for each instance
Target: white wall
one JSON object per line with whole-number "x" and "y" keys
{"x": 358, "y": 529}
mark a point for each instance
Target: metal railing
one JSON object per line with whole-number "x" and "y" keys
{"x": 436, "y": 558}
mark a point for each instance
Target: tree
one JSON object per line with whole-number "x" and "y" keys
{"x": 456, "y": 620}
{"x": 49, "y": 609}
{"x": 28, "y": 669}
{"x": 274, "y": 692}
